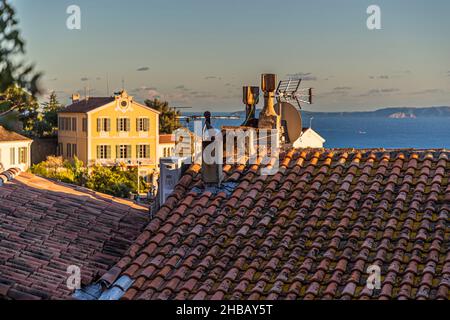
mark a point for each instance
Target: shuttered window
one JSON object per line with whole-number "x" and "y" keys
{"x": 103, "y": 152}
{"x": 103, "y": 125}
{"x": 123, "y": 151}
{"x": 12, "y": 156}
{"x": 143, "y": 124}
{"x": 143, "y": 151}
{"x": 123, "y": 125}
{"x": 84, "y": 125}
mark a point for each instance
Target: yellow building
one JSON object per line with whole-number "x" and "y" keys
{"x": 110, "y": 131}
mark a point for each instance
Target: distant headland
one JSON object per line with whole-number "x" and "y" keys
{"x": 393, "y": 113}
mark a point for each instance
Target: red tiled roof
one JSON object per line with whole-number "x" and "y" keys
{"x": 8, "y": 136}
{"x": 84, "y": 106}
{"x": 309, "y": 232}
{"x": 46, "y": 227}
{"x": 166, "y": 138}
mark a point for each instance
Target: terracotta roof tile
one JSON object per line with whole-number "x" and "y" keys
{"x": 308, "y": 232}
{"x": 46, "y": 227}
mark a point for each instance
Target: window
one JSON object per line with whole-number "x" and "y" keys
{"x": 74, "y": 150}
{"x": 123, "y": 125}
{"x": 66, "y": 124}
{"x": 143, "y": 124}
{"x": 12, "y": 156}
{"x": 62, "y": 124}
{"x": 60, "y": 149}
{"x": 69, "y": 150}
{"x": 123, "y": 152}
{"x": 103, "y": 125}
{"x": 103, "y": 152}
{"x": 74, "y": 124}
{"x": 23, "y": 155}
{"x": 143, "y": 151}
{"x": 84, "y": 125}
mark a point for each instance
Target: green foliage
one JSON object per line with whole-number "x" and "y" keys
{"x": 55, "y": 168}
{"x": 168, "y": 120}
{"x": 13, "y": 71}
{"x": 49, "y": 122}
{"x": 36, "y": 121}
{"x": 25, "y": 106}
{"x": 116, "y": 181}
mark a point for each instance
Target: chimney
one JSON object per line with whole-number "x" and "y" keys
{"x": 75, "y": 97}
{"x": 268, "y": 118}
{"x": 250, "y": 98}
{"x": 212, "y": 154}
{"x": 171, "y": 170}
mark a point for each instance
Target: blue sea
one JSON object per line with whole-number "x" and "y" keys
{"x": 374, "y": 132}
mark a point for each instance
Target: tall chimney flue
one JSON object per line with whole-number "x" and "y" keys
{"x": 268, "y": 118}
{"x": 250, "y": 97}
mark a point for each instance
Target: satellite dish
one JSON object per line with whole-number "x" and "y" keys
{"x": 291, "y": 118}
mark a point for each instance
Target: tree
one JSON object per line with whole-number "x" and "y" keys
{"x": 26, "y": 106}
{"x": 168, "y": 120}
{"x": 13, "y": 71}
{"x": 50, "y": 111}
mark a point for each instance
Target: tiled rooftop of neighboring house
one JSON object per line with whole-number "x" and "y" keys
{"x": 10, "y": 136}
{"x": 166, "y": 139}
{"x": 309, "y": 232}
{"x": 47, "y": 226}
{"x": 86, "y": 105}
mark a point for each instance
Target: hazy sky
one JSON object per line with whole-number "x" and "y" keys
{"x": 199, "y": 53}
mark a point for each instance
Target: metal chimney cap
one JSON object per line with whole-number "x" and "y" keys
{"x": 268, "y": 82}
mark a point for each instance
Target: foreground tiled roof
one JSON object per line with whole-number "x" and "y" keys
{"x": 9, "y": 136}
{"x": 46, "y": 227}
{"x": 84, "y": 106}
{"x": 308, "y": 232}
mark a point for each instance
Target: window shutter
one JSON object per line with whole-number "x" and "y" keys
{"x": 108, "y": 152}
{"x": 127, "y": 125}
{"x": 108, "y": 125}
{"x": 99, "y": 124}
{"x": 118, "y": 124}
{"x": 118, "y": 152}
{"x": 129, "y": 156}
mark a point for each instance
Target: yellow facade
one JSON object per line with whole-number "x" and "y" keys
{"x": 120, "y": 132}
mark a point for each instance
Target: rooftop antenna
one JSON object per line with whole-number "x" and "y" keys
{"x": 287, "y": 94}
{"x": 290, "y": 91}
{"x": 107, "y": 84}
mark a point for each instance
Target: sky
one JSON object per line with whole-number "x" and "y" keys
{"x": 199, "y": 53}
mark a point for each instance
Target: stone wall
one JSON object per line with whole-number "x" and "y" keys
{"x": 41, "y": 148}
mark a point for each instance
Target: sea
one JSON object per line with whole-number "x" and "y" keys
{"x": 370, "y": 132}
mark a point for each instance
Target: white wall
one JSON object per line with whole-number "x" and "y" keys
{"x": 309, "y": 139}
{"x": 5, "y": 155}
{"x": 167, "y": 146}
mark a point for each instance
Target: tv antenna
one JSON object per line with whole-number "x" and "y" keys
{"x": 287, "y": 94}
{"x": 289, "y": 91}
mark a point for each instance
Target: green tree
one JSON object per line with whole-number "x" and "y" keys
{"x": 50, "y": 111}
{"x": 25, "y": 105}
{"x": 13, "y": 71}
{"x": 169, "y": 118}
